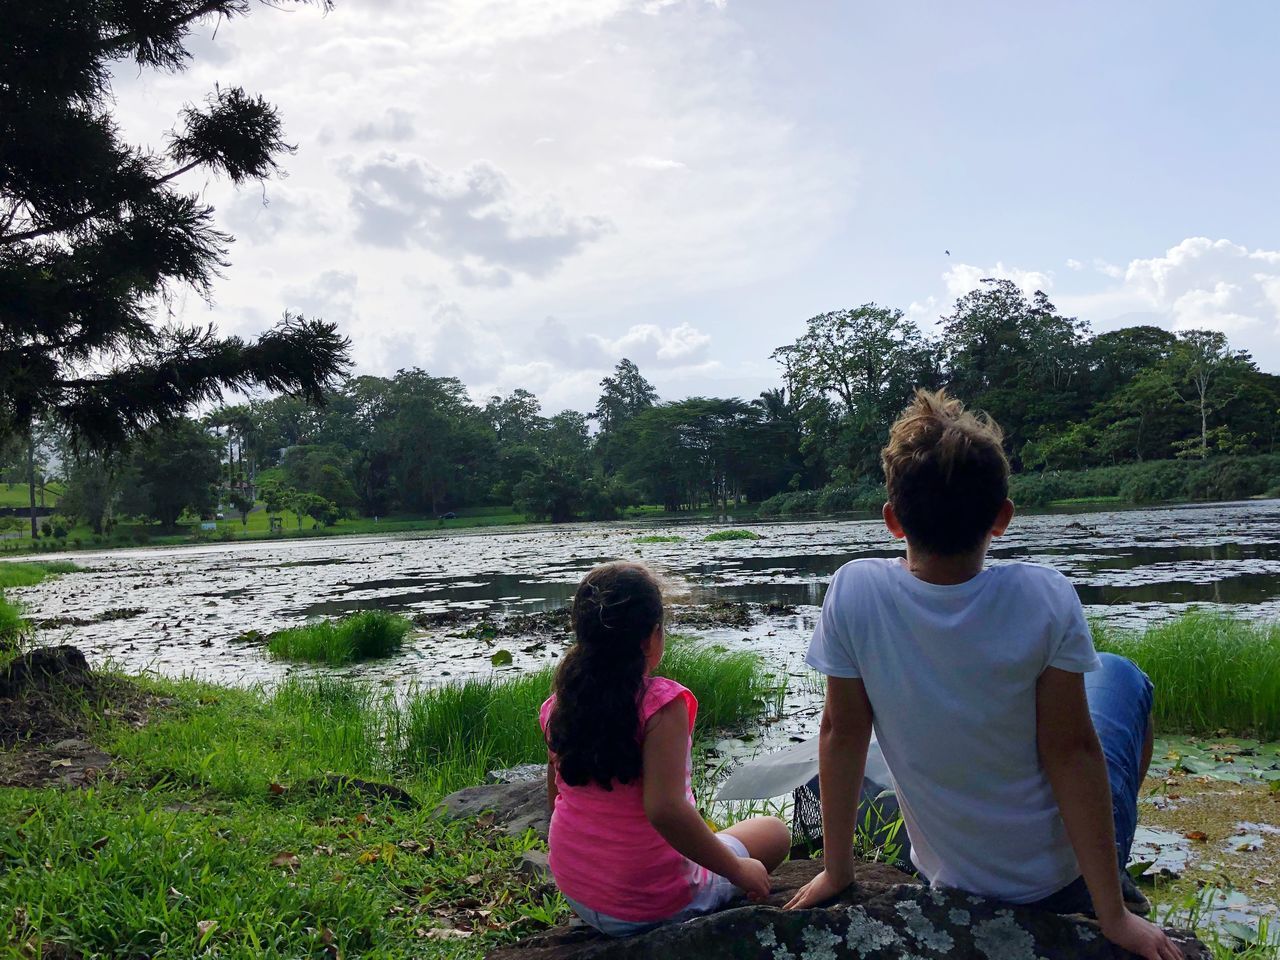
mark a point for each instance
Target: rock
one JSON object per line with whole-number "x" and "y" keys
{"x": 333, "y": 783}
{"x": 534, "y": 866}
{"x": 518, "y": 774}
{"x": 878, "y": 918}
{"x": 42, "y": 667}
{"x": 72, "y": 746}
{"x": 516, "y": 807}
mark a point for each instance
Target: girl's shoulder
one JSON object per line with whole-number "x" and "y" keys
{"x": 544, "y": 712}
{"x": 659, "y": 691}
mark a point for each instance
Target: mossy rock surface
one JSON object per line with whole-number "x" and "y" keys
{"x": 883, "y": 916}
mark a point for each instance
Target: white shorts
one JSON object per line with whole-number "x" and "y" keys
{"x": 711, "y": 894}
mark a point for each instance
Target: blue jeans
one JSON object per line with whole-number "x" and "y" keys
{"x": 1120, "y": 697}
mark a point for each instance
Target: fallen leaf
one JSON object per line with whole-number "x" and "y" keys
{"x": 446, "y": 933}
{"x": 364, "y": 819}
{"x": 1197, "y": 836}
{"x": 1263, "y": 881}
{"x": 278, "y": 789}
{"x": 99, "y": 843}
{"x": 285, "y": 859}
{"x": 474, "y": 879}
{"x": 322, "y": 850}
{"x": 204, "y": 928}
{"x": 369, "y": 856}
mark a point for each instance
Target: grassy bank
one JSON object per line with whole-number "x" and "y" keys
{"x": 1211, "y": 672}
{"x": 211, "y": 839}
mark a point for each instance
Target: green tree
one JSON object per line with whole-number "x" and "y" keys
{"x": 1207, "y": 374}
{"x": 1016, "y": 358}
{"x": 92, "y": 488}
{"x": 852, "y": 371}
{"x": 94, "y": 231}
{"x": 175, "y": 468}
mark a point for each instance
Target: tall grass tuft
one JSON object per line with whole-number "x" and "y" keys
{"x": 361, "y": 636}
{"x": 1211, "y": 672}
{"x": 458, "y": 731}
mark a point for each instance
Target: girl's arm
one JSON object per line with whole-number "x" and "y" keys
{"x": 666, "y": 750}
{"x": 1077, "y": 770}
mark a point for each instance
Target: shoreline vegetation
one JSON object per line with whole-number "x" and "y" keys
{"x": 222, "y": 782}
{"x": 1124, "y": 486}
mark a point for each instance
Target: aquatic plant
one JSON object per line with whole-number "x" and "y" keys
{"x": 361, "y": 636}
{"x": 655, "y": 538}
{"x": 1211, "y": 671}
{"x": 737, "y": 533}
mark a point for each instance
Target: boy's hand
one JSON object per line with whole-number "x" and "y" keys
{"x": 1141, "y": 937}
{"x": 751, "y": 876}
{"x": 819, "y": 890}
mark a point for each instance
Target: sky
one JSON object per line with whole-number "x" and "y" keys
{"x": 519, "y": 193}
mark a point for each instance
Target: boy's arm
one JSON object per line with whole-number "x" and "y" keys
{"x": 842, "y": 760}
{"x": 1077, "y": 770}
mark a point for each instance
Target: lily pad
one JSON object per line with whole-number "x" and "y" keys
{"x": 501, "y": 658}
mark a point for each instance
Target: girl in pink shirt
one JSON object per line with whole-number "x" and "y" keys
{"x": 629, "y": 849}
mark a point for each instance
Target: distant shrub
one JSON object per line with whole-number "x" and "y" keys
{"x": 361, "y": 636}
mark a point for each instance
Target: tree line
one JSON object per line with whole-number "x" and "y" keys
{"x": 418, "y": 444}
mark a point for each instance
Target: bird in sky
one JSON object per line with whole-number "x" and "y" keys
{"x": 947, "y": 252}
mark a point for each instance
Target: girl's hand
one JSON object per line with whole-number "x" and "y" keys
{"x": 751, "y": 876}
{"x": 817, "y": 891}
{"x": 1141, "y": 937}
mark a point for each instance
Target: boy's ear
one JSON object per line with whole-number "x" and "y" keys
{"x": 1003, "y": 518}
{"x": 891, "y": 522}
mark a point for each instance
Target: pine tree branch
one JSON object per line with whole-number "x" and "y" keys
{"x": 82, "y": 218}
{"x": 119, "y": 41}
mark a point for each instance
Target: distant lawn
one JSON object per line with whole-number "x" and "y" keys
{"x": 1081, "y": 501}
{"x": 15, "y": 495}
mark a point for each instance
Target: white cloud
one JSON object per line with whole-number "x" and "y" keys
{"x": 1196, "y": 284}
{"x": 963, "y": 277}
{"x": 1074, "y": 264}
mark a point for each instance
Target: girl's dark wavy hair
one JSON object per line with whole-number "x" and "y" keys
{"x": 594, "y": 730}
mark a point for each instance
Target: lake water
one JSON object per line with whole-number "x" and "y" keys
{"x": 186, "y": 605}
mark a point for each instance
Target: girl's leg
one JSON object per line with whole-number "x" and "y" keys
{"x": 767, "y": 839}
{"x": 1120, "y": 697}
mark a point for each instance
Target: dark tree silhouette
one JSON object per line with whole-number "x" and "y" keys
{"x": 95, "y": 232}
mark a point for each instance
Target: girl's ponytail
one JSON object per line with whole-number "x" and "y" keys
{"x": 594, "y": 730}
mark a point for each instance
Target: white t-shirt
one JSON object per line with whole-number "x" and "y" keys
{"x": 951, "y": 675}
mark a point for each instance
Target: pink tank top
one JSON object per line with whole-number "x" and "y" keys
{"x": 604, "y": 852}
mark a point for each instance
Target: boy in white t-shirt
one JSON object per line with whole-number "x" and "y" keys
{"x": 974, "y": 680}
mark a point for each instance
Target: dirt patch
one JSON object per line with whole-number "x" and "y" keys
{"x": 49, "y": 714}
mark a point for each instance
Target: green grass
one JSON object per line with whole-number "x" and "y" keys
{"x": 17, "y": 495}
{"x": 29, "y": 574}
{"x": 215, "y": 843}
{"x": 361, "y": 636}
{"x": 735, "y": 534}
{"x": 659, "y": 539}
{"x": 461, "y": 730}
{"x": 1211, "y": 672}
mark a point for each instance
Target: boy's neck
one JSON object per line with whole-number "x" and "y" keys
{"x": 945, "y": 570}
